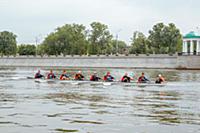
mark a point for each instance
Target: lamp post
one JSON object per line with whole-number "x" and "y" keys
{"x": 198, "y": 29}
{"x": 117, "y": 36}
{"x": 37, "y": 41}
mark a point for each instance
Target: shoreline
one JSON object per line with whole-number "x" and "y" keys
{"x": 174, "y": 62}
{"x": 137, "y": 68}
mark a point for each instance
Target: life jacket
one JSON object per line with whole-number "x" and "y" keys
{"x": 51, "y": 76}
{"x": 126, "y": 79}
{"x": 38, "y": 75}
{"x": 64, "y": 76}
{"x": 142, "y": 79}
{"x": 94, "y": 78}
{"x": 79, "y": 77}
{"x": 160, "y": 80}
{"x": 108, "y": 78}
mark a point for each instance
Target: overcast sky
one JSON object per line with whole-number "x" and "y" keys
{"x": 37, "y": 18}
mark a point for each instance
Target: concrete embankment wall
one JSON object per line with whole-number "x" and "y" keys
{"x": 131, "y": 61}
{"x": 156, "y": 61}
{"x": 188, "y": 62}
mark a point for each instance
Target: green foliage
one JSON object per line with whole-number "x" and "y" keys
{"x": 179, "y": 45}
{"x": 8, "y": 43}
{"x": 75, "y": 39}
{"x": 26, "y": 49}
{"x": 68, "y": 39}
{"x": 164, "y": 38}
{"x": 118, "y": 46}
{"x": 139, "y": 44}
{"x": 99, "y": 39}
{"x": 40, "y": 50}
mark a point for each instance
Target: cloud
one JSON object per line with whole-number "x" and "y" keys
{"x": 30, "y": 18}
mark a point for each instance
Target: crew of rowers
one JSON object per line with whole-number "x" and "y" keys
{"x": 94, "y": 77}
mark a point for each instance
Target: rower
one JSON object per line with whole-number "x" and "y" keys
{"x": 38, "y": 75}
{"x": 79, "y": 76}
{"x": 126, "y": 78}
{"x": 160, "y": 79}
{"x": 94, "y": 77}
{"x": 51, "y": 75}
{"x": 108, "y": 77}
{"x": 142, "y": 79}
{"x": 64, "y": 76}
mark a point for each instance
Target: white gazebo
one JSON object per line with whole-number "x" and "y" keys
{"x": 191, "y": 44}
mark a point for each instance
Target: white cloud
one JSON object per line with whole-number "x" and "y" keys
{"x": 29, "y": 18}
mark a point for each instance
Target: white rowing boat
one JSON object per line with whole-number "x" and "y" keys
{"x": 45, "y": 80}
{"x": 75, "y": 82}
{"x": 148, "y": 84}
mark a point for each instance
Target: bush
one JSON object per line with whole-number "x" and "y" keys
{"x": 26, "y": 49}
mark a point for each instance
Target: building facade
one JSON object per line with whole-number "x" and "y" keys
{"x": 191, "y": 44}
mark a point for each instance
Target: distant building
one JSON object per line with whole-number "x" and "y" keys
{"x": 191, "y": 44}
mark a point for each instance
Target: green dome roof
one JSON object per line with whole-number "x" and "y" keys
{"x": 191, "y": 35}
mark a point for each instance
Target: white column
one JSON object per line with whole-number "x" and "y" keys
{"x": 183, "y": 49}
{"x": 198, "y": 47}
{"x": 191, "y": 47}
{"x": 186, "y": 47}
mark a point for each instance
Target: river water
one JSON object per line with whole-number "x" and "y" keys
{"x": 29, "y": 107}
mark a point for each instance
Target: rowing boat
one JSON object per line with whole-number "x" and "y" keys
{"x": 148, "y": 84}
{"x": 60, "y": 81}
{"x": 73, "y": 82}
{"x": 76, "y": 82}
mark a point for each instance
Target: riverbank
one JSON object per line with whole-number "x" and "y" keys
{"x": 103, "y": 61}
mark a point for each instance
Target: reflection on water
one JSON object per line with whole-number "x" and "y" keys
{"x": 66, "y": 130}
{"x": 26, "y": 106}
{"x": 163, "y": 107}
{"x": 75, "y": 97}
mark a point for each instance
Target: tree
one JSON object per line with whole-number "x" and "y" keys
{"x": 26, "y": 49}
{"x": 173, "y": 38}
{"x": 50, "y": 45}
{"x": 68, "y": 39}
{"x": 8, "y": 43}
{"x": 156, "y": 38}
{"x": 179, "y": 45}
{"x": 118, "y": 46}
{"x": 139, "y": 43}
{"x": 99, "y": 39}
{"x": 40, "y": 50}
{"x": 164, "y": 39}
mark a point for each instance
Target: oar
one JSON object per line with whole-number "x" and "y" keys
{"x": 30, "y": 77}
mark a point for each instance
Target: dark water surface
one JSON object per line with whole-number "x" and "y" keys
{"x": 29, "y": 107}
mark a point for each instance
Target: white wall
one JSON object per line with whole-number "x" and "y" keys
{"x": 158, "y": 61}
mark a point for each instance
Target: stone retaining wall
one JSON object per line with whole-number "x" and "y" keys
{"x": 133, "y": 61}
{"x": 164, "y": 62}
